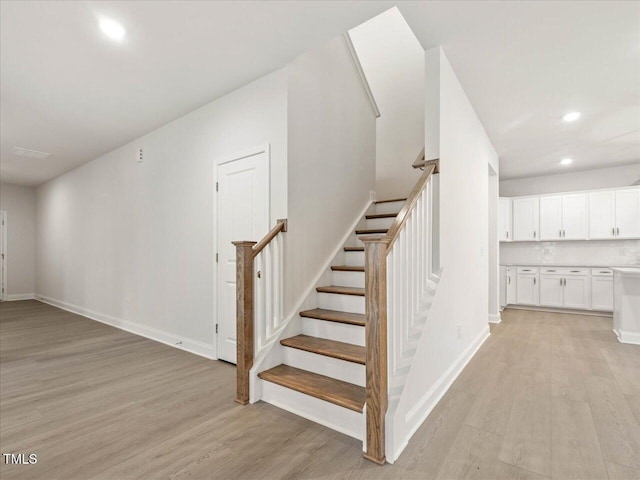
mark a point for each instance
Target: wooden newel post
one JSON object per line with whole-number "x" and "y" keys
{"x": 244, "y": 318}
{"x": 375, "y": 248}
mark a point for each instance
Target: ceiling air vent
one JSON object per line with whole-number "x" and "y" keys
{"x": 25, "y": 152}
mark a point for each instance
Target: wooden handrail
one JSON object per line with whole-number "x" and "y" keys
{"x": 419, "y": 160}
{"x": 246, "y": 253}
{"x": 281, "y": 226}
{"x": 430, "y": 167}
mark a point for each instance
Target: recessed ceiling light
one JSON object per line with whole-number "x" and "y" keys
{"x": 566, "y": 161}
{"x": 571, "y": 117}
{"x": 112, "y": 29}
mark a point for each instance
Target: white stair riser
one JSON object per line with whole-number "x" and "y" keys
{"x": 354, "y": 259}
{"x": 380, "y": 222}
{"x": 332, "y": 416}
{"x": 342, "y": 303}
{"x": 327, "y": 366}
{"x": 389, "y": 207}
{"x": 347, "y": 279}
{"x": 340, "y": 332}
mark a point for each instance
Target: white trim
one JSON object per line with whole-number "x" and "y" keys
{"x": 19, "y": 296}
{"x": 248, "y": 152}
{"x": 3, "y": 251}
{"x": 421, "y": 410}
{"x": 363, "y": 78}
{"x": 631, "y": 338}
{"x": 176, "y": 341}
{"x": 495, "y": 318}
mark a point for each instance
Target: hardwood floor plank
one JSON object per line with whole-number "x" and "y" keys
{"x": 617, "y": 428}
{"x": 527, "y": 437}
{"x": 574, "y": 441}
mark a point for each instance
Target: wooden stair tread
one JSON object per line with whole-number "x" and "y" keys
{"x": 354, "y": 249}
{"x": 391, "y": 200}
{"x": 341, "y": 290}
{"x": 335, "y": 316}
{"x": 329, "y": 389}
{"x": 368, "y": 231}
{"x": 328, "y": 348}
{"x": 347, "y": 268}
{"x": 381, "y": 215}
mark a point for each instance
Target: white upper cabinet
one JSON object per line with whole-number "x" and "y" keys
{"x": 598, "y": 215}
{"x": 628, "y": 213}
{"x": 504, "y": 220}
{"x": 563, "y": 217}
{"x": 526, "y": 218}
{"x": 551, "y": 218}
{"x": 602, "y": 215}
{"x": 574, "y": 216}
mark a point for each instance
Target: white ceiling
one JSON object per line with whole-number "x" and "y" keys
{"x": 67, "y": 90}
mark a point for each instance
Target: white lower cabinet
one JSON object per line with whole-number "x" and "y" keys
{"x": 527, "y": 288}
{"x": 551, "y": 290}
{"x": 601, "y": 289}
{"x": 578, "y": 288}
{"x": 511, "y": 282}
{"x": 577, "y": 292}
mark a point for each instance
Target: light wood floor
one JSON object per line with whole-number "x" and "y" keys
{"x": 547, "y": 396}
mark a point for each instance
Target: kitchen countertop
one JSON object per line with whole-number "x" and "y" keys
{"x": 628, "y": 270}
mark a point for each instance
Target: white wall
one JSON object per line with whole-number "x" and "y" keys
{"x": 493, "y": 248}
{"x": 567, "y": 182}
{"x": 19, "y": 203}
{"x": 132, "y": 243}
{"x": 331, "y": 151}
{"x": 455, "y": 328}
{"x": 393, "y": 62}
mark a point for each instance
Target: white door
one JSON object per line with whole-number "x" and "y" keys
{"x": 551, "y": 290}
{"x": 512, "y": 294}
{"x": 504, "y": 220}
{"x": 602, "y": 293}
{"x": 551, "y": 218}
{"x": 242, "y": 214}
{"x": 526, "y": 213}
{"x": 527, "y": 289}
{"x": 628, "y": 213}
{"x": 602, "y": 215}
{"x": 574, "y": 216}
{"x": 577, "y": 292}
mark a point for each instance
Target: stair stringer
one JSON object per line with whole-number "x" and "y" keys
{"x": 273, "y": 353}
{"x": 397, "y": 379}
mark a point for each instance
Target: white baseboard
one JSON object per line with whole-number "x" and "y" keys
{"x": 535, "y": 308}
{"x": 631, "y": 338}
{"x": 419, "y": 413}
{"x": 176, "y": 341}
{"x": 495, "y": 318}
{"x": 19, "y": 296}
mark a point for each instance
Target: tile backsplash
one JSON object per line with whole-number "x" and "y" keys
{"x": 579, "y": 253}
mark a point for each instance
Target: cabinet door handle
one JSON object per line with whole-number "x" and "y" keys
{"x": 560, "y": 282}
{"x": 575, "y": 271}
{"x": 564, "y": 233}
{"x": 534, "y": 280}
{"x": 507, "y": 234}
{"x": 508, "y": 280}
{"x": 560, "y": 233}
{"x": 613, "y": 232}
{"x": 617, "y": 231}
{"x": 534, "y": 234}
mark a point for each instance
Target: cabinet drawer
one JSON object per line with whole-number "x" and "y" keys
{"x": 552, "y": 270}
{"x": 527, "y": 270}
{"x": 601, "y": 272}
{"x": 576, "y": 271}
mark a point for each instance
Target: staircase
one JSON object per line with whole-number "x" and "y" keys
{"x": 335, "y": 329}
{"x": 343, "y": 361}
